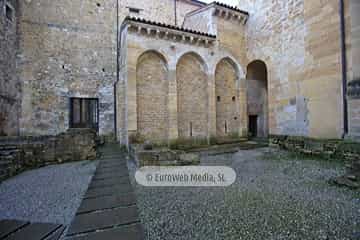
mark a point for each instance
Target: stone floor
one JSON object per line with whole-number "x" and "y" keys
{"x": 276, "y": 196}
{"x": 103, "y": 208}
{"x": 108, "y": 210}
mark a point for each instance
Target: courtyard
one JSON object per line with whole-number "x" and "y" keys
{"x": 277, "y": 195}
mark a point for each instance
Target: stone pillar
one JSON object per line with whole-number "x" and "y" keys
{"x": 212, "y": 106}
{"x": 121, "y": 113}
{"x": 243, "y": 111}
{"x": 172, "y": 106}
{"x": 131, "y": 99}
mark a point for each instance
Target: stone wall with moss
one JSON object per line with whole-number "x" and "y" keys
{"x": 10, "y": 85}
{"x": 21, "y": 153}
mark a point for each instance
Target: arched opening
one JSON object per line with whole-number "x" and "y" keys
{"x": 192, "y": 96}
{"x": 151, "y": 97}
{"x": 257, "y": 97}
{"x": 227, "y": 114}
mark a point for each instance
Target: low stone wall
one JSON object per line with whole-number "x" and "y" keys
{"x": 20, "y": 153}
{"x": 347, "y": 151}
{"x": 162, "y": 157}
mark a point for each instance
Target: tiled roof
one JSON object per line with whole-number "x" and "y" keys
{"x": 230, "y": 7}
{"x": 165, "y": 25}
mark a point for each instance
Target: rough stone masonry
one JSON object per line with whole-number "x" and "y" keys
{"x": 54, "y": 53}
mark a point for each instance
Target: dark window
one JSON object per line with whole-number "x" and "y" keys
{"x": 9, "y": 12}
{"x": 84, "y": 113}
{"x": 233, "y": 98}
{"x": 218, "y": 98}
{"x": 134, "y": 10}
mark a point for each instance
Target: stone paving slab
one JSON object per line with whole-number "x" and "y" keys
{"x": 108, "y": 210}
{"x": 105, "y": 191}
{"x": 110, "y": 170}
{"x": 105, "y": 219}
{"x": 107, "y": 176}
{"x": 9, "y": 226}
{"x": 18, "y": 230}
{"x": 112, "y": 156}
{"x": 57, "y": 234}
{"x": 109, "y": 182}
{"x": 107, "y": 202}
{"x": 128, "y": 232}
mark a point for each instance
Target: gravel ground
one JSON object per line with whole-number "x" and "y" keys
{"x": 275, "y": 196}
{"x": 50, "y": 194}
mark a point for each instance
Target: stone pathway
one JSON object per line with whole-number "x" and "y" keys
{"x": 108, "y": 210}
{"x": 19, "y": 230}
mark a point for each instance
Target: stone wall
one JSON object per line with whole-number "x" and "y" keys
{"x": 352, "y": 19}
{"x": 202, "y": 67}
{"x": 227, "y": 113}
{"x": 231, "y": 36}
{"x": 301, "y": 48}
{"x": 68, "y": 49}
{"x": 21, "y": 153}
{"x": 257, "y": 96}
{"x": 192, "y": 97}
{"x": 201, "y": 20}
{"x": 152, "y": 90}
{"x": 10, "y": 86}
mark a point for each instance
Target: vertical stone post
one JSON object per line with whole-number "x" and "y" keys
{"x": 212, "y": 106}
{"x": 243, "y": 113}
{"x": 131, "y": 98}
{"x": 172, "y": 105}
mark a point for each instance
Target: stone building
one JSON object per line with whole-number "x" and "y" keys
{"x": 168, "y": 69}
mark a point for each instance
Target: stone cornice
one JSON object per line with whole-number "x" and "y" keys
{"x": 224, "y": 11}
{"x": 168, "y": 32}
{"x": 230, "y": 14}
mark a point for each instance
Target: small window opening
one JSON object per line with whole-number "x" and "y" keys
{"x": 9, "y": 12}
{"x": 98, "y": 4}
{"x": 84, "y": 113}
{"x": 103, "y": 69}
{"x": 191, "y": 130}
{"x": 233, "y": 98}
{"x": 226, "y": 128}
{"x": 134, "y": 10}
{"x": 218, "y": 98}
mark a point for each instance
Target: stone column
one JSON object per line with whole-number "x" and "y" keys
{"x": 212, "y": 106}
{"x": 172, "y": 106}
{"x": 243, "y": 111}
{"x": 131, "y": 99}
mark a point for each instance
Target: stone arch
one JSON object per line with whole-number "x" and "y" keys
{"x": 227, "y": 98}
{"x": 151, "y": 96}
{"x": 192, "y": 96}
{"x": 257, "y": 98}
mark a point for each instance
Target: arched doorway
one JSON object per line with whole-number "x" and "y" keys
{"x": 227, "y": 114}
{"x": 192, "y": 97}
{"x": 151, "y": 96}
{"x": 257, "y": 97}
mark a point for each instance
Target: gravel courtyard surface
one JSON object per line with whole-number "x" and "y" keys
{"x": 275, "y": 196}
{"x": 50, "y": 194}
